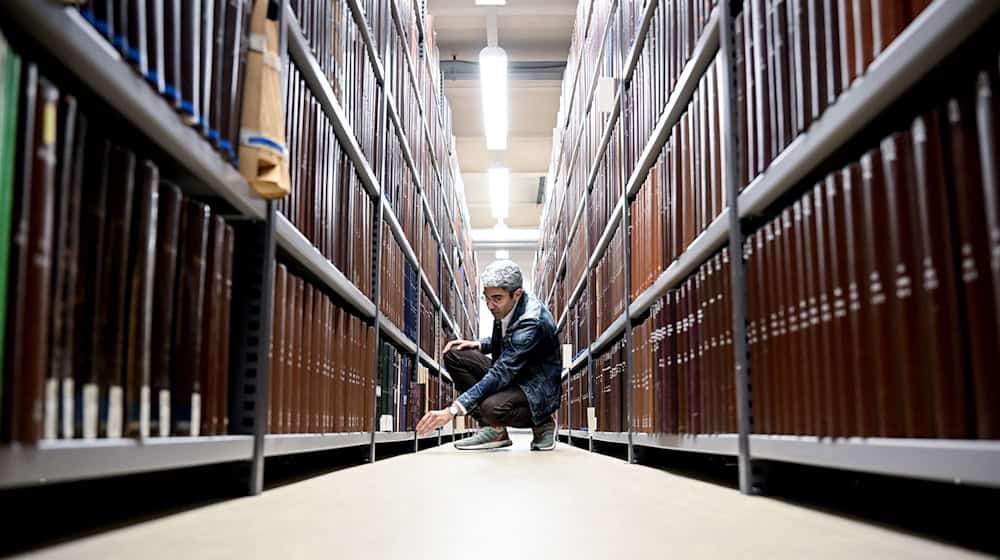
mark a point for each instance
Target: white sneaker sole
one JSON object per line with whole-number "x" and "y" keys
{"x": 487, "y": 445}
{"x": 549, "y": 448}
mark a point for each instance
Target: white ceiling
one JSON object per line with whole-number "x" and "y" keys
{"x": 528, "y": 30}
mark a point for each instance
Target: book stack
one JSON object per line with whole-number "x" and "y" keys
{"x": 321, "y": 378}
{"x": 396, "y": 371}
{"x": 670, "y": 42}
{"x": 684, "y": 191}
{"x": 794, "y": 59}
{"x": 192, "y": 53}
{"x": 609, "y": 382}
{"x": 609, "y": 280}
{"x": 328, "y": 203}
{"x": 872, "y": 298}
{"x": 325, "y": 26}
{"x": 428, "y": 324}
{"x": 392, "y": 293}
{"x": 115, "y": 306}
{"x": 682, "y": 357}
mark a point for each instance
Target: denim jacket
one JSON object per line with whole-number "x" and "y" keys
{"x": 530, "y": 358}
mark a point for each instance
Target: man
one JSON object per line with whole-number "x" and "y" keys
{"x": 520, "y": 386}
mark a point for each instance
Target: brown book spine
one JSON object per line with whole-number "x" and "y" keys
{"x": 316, "y": 391}
{"x": 938, "y": 285}
{"x": 142, "y": 268}
{"x": 861, "y": 327}
{"x": 295, "y": 379}
{"x": 211, "y": 325}
{"x": 795, "y": 399}
{"x": 817, "y": 57}
{"x": 189, "y": 315}
{"x": 31, "y": 259}
{"x": 974, "y": 249}
{"x": 848, "y": 46}
{"x": 69, "y": 245}
{"x": 839, "y": 386}
{"x": 779, "y": 328}
{"x": 113, "y": 316}
{"x": 228, "y": 249}
{"x": 826, "y": 357}
{"x": 65, "y": 207}
{"x": 277, "y": 352}
{"x": 164, "y": 288}
{"x": 878, "y": 267}
{"x": 802, "y": 63}
{"x": 864, "y": 39}
{"x": 908, "y": 356}
{"x": 988, "y": 127}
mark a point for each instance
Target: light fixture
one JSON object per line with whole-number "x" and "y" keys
{"x": 503, "y": 254}
{"x": 500, "y": 192}
{"x": 493, "y": 82}
{"x": 491, "y": 2}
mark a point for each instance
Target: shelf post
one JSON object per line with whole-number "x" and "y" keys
{"x": 731, "y": 149}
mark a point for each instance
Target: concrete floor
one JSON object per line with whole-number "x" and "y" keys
{"x": 510, "y": 504}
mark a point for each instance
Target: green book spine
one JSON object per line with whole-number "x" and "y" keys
{"x": 10, "y": 67}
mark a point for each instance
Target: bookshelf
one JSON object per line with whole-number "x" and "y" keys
{"x": 932, "y": 36}
{"x": 76, "y": 47}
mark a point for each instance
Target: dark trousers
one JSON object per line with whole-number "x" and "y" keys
{"x": 509, "y": 407}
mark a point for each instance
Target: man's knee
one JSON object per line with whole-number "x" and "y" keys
{"x": 457, "y": 358}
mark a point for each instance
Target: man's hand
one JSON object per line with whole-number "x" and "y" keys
{"x": 433, "y": 420}
{"x": 461, "y": 345}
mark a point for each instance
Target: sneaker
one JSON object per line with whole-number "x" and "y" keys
{"x": 489, "y": 437}
{"x": 545, "y": 437}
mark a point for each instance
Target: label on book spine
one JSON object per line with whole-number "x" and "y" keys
{"x": 144, "y": 398}
{"x": 567, "y": 355}
{"x": 67, "y": 408}
{"x": 195, "y": 414}
{"x": 90, "y": 411}
{"x": 51, "y": 408}
{"x": 115, "y": 403}
{"x": 591, "y": 419}
{"x": 164, "y": 419}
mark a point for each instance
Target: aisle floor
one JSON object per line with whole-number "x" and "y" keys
{"x": 446, "y": 504}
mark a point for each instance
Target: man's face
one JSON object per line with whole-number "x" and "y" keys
{"x": 500, "y": 301}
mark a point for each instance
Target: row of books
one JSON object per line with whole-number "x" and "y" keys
{"x": 328, "y": 202}
{"x": 411, "y": 302}
{"x": 683, "y": 378}
{"x": 579, "y": 400}
{"x": 670, "y": 41}
{"x": 392, "y": 278}
{"x": 327, "y": 27}
{"x": 428, "y": 325}
{"x": 576, "y": 332}
{"x": 601, "y": 52}
{"x": 397, "y": 384}
{"x": 608, "y": 283}
{"x": 400, "y": 190}
{"x": 684, "y": 191}
{"x": 794, "y": 58}
{"x": 193, "y": 53}
{"x": 609, "y": 403}
{"x": 321, "y": 362}
{"x": 116, "y": 287}
{"x": 884, "y": 268}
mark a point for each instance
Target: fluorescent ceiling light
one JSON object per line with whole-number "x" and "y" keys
{"x": 493, "y": 82}
{"x": 499, "y": 191}
{"x": 503, "y": 254}
{"x": 491, "y": 2}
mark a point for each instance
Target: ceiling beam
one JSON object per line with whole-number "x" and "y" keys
{"x": 518, "y": 70}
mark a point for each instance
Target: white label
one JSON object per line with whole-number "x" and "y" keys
{"x": 51, "y": 408}
{"x": 591, "y": 419}
{"x": 144, "y": 398}
{"x": 422, "y": 375}
{"x": 460, "y": 423}
{"x": 115, "y": 395}
{"x": 164, "y": 419}
{"x": 605, "y": 94}
{"x": 385, "y": 423}
{"x": 90, "y": 411}
{"x": 67, "y": 408}
{"x": 195, "y": 414}
{"x": 567, "y": 355}
{"x": 378, "y": 391}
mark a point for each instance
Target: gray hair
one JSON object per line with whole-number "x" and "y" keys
{"x": 503, "y": 274}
